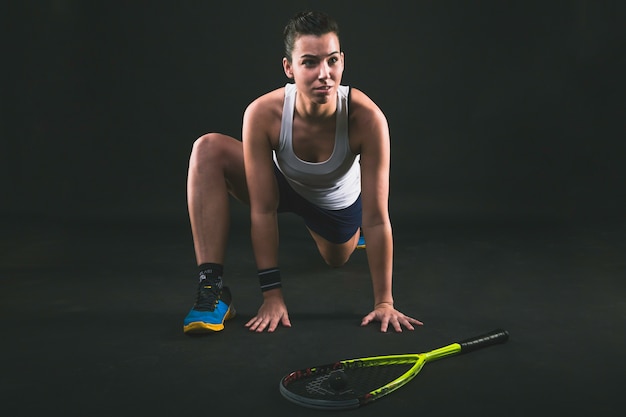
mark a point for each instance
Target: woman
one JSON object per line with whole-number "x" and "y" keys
{"x": 314, "y": 148}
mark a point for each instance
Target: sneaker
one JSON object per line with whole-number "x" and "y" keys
{"x": 213, "y": 306}
{"x": 361, "y": 244}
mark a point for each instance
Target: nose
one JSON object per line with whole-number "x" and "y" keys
{"x": 324, "y": 71}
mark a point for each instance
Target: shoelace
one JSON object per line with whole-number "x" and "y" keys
{"x": 208, "y": 296}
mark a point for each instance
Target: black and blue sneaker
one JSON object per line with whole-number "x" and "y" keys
{"x": 213, "y": 306}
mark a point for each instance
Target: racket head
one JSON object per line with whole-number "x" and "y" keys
{"x": 349, "y": 384}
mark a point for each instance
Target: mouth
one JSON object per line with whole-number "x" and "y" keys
{"x": 322, "y": 89}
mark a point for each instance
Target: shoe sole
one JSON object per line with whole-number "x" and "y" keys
{"x": 200, "y": 327}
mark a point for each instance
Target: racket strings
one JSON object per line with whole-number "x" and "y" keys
{"x": 368, "y": 378}
{"x": 361, "y": 378}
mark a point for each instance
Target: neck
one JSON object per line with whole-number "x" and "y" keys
{"x": 316, "y": 111}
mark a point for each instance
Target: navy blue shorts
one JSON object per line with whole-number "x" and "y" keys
{"x": 336, "y": 226}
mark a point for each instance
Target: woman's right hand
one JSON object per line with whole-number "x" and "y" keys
{"x": 272, "y": 312}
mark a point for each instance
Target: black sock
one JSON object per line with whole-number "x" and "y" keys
{"x": 211, "y": 271}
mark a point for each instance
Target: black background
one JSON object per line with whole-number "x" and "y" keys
{"x": 507, "y": 123}
{"x": 511, "y": 109}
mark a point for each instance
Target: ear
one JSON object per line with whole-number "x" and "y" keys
{"x": 287, "y": 68}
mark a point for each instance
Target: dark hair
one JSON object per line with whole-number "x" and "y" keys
{"x": 307, "y": 23}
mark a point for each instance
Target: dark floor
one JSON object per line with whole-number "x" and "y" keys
{"x": 91, "y": 318}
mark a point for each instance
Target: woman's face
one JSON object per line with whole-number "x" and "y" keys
{"x": 316, "y": 67}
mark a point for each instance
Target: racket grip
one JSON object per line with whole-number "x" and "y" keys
{"x": 494, "y": 337}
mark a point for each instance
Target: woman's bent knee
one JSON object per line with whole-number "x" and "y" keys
{"x": 207, "y": 144}
{"x": 336, "y": 262}
{"x": 336, "y": 257}
{"x": 211, "y": 148}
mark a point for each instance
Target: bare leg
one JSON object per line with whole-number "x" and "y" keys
{"x": 215, "y": 169}
{"x": 335, "y": 254}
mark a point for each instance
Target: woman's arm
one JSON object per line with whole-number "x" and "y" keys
{"x": 373, "y": 140}
{"x": 257, "y": 131}
{"x": 375, "y": 161}
{"x": 262, "y": 189}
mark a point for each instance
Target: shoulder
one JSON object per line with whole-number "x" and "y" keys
{"x": 364, "y": 111}
{"x": 262, "y": 117}
{"x": 266, "y": 105}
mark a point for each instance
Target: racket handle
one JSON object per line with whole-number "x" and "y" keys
{"x": 488, "y": 339}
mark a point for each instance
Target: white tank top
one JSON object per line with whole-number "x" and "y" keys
{"x": 333, "y": 184}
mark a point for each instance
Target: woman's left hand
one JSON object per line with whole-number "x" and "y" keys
{"x": 387, "y": 315}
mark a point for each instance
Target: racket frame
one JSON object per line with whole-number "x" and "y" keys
{"x": 417, "y": 359}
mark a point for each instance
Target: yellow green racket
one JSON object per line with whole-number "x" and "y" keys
{"x": 351, "y": 383}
